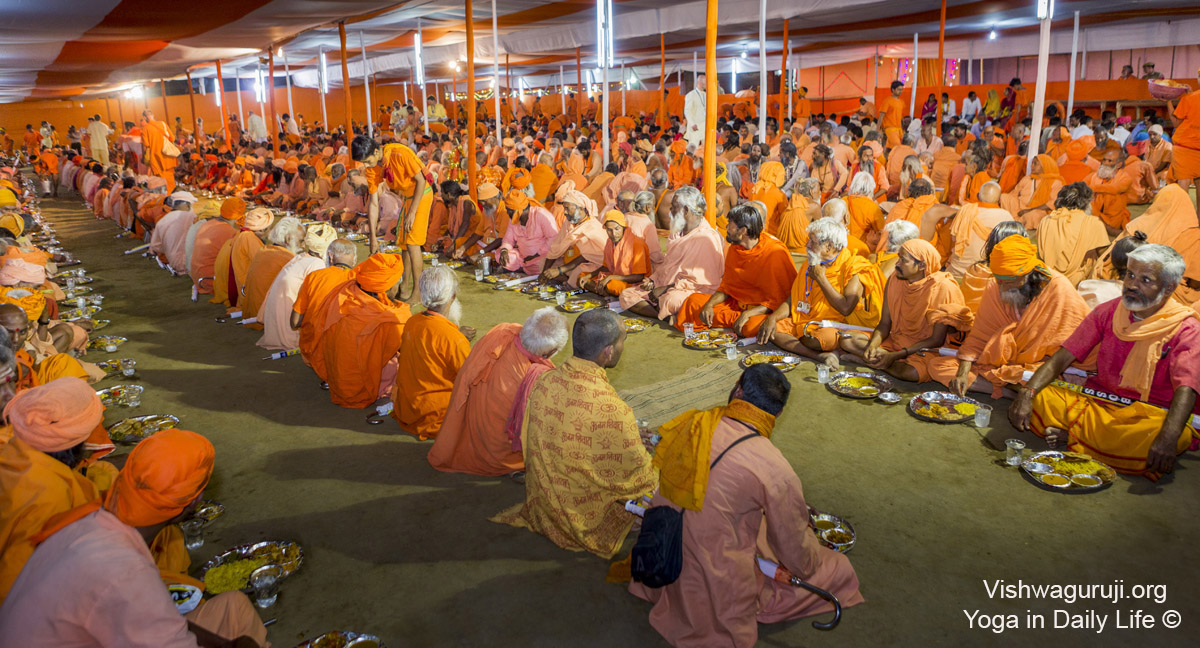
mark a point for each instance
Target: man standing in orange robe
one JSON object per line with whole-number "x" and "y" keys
{"x": 155, "y": 134}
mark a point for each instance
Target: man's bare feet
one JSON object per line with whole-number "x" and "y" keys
{"x": 830, "y": 358}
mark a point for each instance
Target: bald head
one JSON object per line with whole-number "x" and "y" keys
{"x": 343, "y": 252}
{"x": 990, "y": 193}
{"x": 835, "y": 208}
{"x": 16, "y": 323}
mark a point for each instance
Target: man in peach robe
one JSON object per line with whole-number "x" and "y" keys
{"x": 169, "y": 238}
{"x": 1070, "y": 239}
{"x": 971, "y": 226}
{"x": 1024, "y": 317}
{"x": 357, "y": 333}
{"x": 432, "y": 348}
{"x": 578, "y": 247}
{"x": 275, "y": 315}
{"x": 1033, "y": 196}
{"x": 286, "y": 241}
{"x": 943, "y": 162}
{"x": 756, "y": 509}
{"x": 480, "y": 434}
{"x": 208, "y": 241}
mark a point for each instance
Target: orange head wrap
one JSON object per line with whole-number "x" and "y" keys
{"x": 162, "y": 477}
{"x": 520, "y": 179}
{"x": 1015, "y": 256}
{"x": 233, "y": 208}
{"x": 679, "y": 147}
{"x": 258, "y": 219}
{"x": 379, "y": 272}
{"x": 1077, "y": 150}
{"x": 55, "y": 416}
{"x": 516, "y": 201}
{"x": 487, "y": 191}
{"x": 614, "y": 216}
{"x": 925, "y": 252}
{"x": 291, "y": 166}
{"x": 774, "y": 173}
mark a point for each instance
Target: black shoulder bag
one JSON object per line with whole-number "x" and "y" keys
{"x": 657, "y": 556}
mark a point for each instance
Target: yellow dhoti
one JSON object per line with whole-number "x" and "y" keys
{"x": 1117, "y": 434}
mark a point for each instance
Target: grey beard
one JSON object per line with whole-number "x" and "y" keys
{"x": 1106, "y": 172}
{"x": 678, "y": 222}
{"x": 454, "y": 312}
{"x": 1014, "y": 298}
{"x": 867, "y": 167}
{"x": 1139, "y": 303}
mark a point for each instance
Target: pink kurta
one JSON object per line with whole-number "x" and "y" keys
{"x": 754, "y": 506}
{"x": 169, "y": 238}
{"x": 276, "y": 311}
{"x": 644, "y": 229}
{"x": 694, "y": 263}
{"x": 529, "y": 240}
{"x": 589, "y": 238}
{"x": 211, "y": 236}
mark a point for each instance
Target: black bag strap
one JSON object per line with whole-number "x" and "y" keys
{"x": 723, "y": 452}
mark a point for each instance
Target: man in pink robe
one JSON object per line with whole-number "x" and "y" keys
{"x": 275, "y": 313}
{"x": 579, "y": 245}
{"x": 694, "y": 261}
{"x": 168, "y": 239}
{"x": 753, "y": 506}
{"x": 527, "y": 239}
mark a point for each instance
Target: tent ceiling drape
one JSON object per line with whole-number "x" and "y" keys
{"x": 67, "y": 48}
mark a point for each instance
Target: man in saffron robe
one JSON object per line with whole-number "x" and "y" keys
{"x": 1147, "y": 348}
{"x": 767, "y": 191}
{"x": 432, "y": 348}
{"x": 922, "y": 307}
{"x": 626, "y": 259}
{"x": 357, "y": 333}
{"x": 891, "y": 111}
{"x": 865, "y": 220}
{"x": 343, "y": 256}
{"x": 154, "y": 135}
{"x": 1025, "y": 315}
{"x": 757, "y": 509}
{"x": 481, "y": 432}
{"x": 833, "y": 285}
{"x": 1110, "y": 184}
{"x": 398, "y": 166}
{"x": 207, "y": 239}
{"x": 1071, "y": 239}
{"x": 970, "y": 228}
{"x": 584, "y": 457}
{"x": 275, "y": 314}
{"x": 1034, "y": 196}
{"x": 233, "y": 261}
{"x": 758, "y": 274}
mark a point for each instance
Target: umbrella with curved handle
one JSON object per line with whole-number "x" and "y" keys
{"x": 779, "y": 573}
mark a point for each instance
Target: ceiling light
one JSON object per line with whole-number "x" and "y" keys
{"x": 992, "y": 35}
{"x": 743, "y": 54}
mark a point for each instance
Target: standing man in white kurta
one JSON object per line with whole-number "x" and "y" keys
{"x": 694, "y": 105}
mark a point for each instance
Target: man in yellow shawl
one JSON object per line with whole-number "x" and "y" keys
{"x": 584, "y": 457}
{"x": 1135, "y": 414}
{"x": 834, "y": 286}
{"x": 1070, "y": 239}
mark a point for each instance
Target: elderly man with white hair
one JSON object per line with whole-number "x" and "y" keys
{"x": 693, "y": 263}
{"x": 168, "y": 239}
{"x": 276, "y": 310}
{"x": 432, "y": 349}
{"x": 1135, "y": 414}
{"x": 481, "y": 434}
{"x": 284, "y": 241}
{"x": 834, "y": 287}
{"x": 865, "y": 217}
{"x": 837, "y": 209}
{"x": 895, "y": 234}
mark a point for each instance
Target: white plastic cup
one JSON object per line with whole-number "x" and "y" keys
{"x": 689, "y": 331}
{"x": 1016, "y": 451}
{"x": 265, "y": 581}
{"x": 110, "y": 347}
{"x": 731, "y": 352}
{"x": 478, "y": 274}
{"x": 823, "y": 373}
{"x": 983, "y": 416}
{"x": 561, "y": 298}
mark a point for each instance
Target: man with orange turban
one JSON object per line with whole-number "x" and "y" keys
{"x": 1135, "y": 413}
{"x": 398, "y": 166}
{"x": 357, "y": 331}
{"x": 681, "y": 170}
{"x": 758, "y": 275}
{"x": 626, "y": 259}
{"x": 1110, "y": 183}
{"x": 834, "y": 285}
{"x": 206, "y": 240}
{"x": 432, "y": 348}
{"x": 91, "y": 579}
{"x": 233, "y": 260}
{"x": 1033, "y": 197}
{"x": 526, "y": 241}
{"x": 767, "y": 191}
{"x": 50, "y": 426}
{"x": 922, "y": 308}
{"x": 1025, "y": 315}
{"x": 1075, "y": 165}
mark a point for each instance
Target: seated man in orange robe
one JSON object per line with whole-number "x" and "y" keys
{"x": 919, "y": 201}
{"x": 286, "y": 240}
{"x": 357, "y": 333}
{"x": 482, "y": 428}
{"x": 970, "y": 228}
{"x": 1034, "y": 196}
{"x": 834, "y": 286}
{"x": 1025, "y": 315}
{"x": 1110, "y": 183}
{"x": 92, "y": 581}
{"x": 865, "y": 219}
{"x": 233, "y": 261}
{"x": 976, "y": 176}
{"x": 922, "y": 307}
{"x": 1075, "y": 164}
{"x": 801, "y": 209}
{"x": 626, "y": 259}
{"x": 1071, "y": 239}
{"x": 432, "y": 348}
{"x": 50, "y": 426}
{"x": 766, "y": 191}
{"x": 758, "y": 274}
{"x": 1135, "y": 414}
{"x": 721, "y": 597}
{"x": 317, "y": 285}
{"x": 208, "y": 238}
{"x": 578, "y": 247}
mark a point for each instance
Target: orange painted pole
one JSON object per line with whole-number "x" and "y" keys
{"x": 942, "y": 65}
{"x": 346, "y": 83}
{"x": 273, "y": 124}
{"x": 784, "y": 86}
{"x": 192, "y": 101}
{"x": 710, "y": 115}
{"x": 162, "y": 88}
{"x": 224, "y": 119}
{"x": 472, "y": 182}
{"x": 578, "y": 89}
